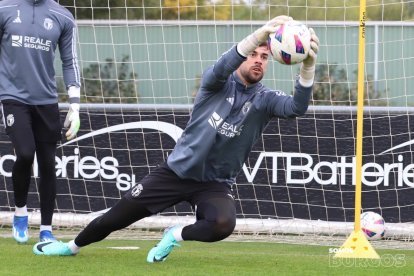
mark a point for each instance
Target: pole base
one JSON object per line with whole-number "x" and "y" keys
{"x": 357, "y": 246}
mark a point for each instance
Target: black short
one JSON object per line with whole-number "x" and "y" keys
{"x": 162, "y": 188}
{"x": 42, "y": 120}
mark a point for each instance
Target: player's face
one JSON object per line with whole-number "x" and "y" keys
{"x": 253, "y": 69}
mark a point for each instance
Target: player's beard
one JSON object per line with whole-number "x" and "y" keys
{"x": 251, "y": 76}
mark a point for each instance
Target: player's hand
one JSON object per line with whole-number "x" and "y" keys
{"x": 310, "y": 61}
{"x": 263, "y": 32}
{"x": 307, "y": 70}
{"x": 72, "y": 121}
{"x": 260, "y": 36}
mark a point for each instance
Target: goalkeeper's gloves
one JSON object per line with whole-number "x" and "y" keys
{"x": 307, "y": 69}
{"x": 72, "y": 120}
{"x": 260, "y": 36}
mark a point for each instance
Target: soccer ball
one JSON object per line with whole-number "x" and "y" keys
{"x": 373, "y": 225}
{"x": 290, "y": 43}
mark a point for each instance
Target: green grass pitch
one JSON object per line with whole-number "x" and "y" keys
{"x": 194, "y": 258}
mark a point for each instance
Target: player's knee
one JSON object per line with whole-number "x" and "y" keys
{"x": 223, "y": 228}
{"x": 25, "y": 157}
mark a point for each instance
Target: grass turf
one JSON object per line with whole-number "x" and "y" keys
{"x": 194, "y": 258}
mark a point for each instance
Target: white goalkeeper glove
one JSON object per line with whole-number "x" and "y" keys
{"x": 307, "y": 69}
{"x": 72, "y": 120}
{"x": 260, "y": 36}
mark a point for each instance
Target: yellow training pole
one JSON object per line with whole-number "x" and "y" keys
{"x": 360, "y": 115}
{"x": 357, "y": 245}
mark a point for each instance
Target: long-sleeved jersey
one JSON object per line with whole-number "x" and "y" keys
{"x": 30, "y": 32}
{"x": 227, "y": 119}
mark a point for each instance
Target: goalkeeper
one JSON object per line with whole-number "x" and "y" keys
{"x": 230, "y": 112}
{"x": 30, "y": 32}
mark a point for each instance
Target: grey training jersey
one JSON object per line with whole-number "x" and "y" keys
{"x": 227, "y": 119}
{"x": 30, "y": 32}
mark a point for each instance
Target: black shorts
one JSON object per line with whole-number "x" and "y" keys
{"x": 162, "y": 188}
{"x": 20, "y": 120}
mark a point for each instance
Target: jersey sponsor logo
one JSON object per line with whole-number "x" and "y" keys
{"x": 17, "y": 19}
{"x": 10, "y": 120}
{"x": 215, "y": 120}
{"x": 48, "y": 24}
{"x": 136, "y": 191}
{"x": 230, "y": 130}
{"x": 224, "y": 128}
{"x": 31, "y": 42}
{"x": 17, "y": 41}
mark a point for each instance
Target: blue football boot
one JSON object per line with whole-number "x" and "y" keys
{"x": 20, "y": 229}
{"x": 160, "y": 252}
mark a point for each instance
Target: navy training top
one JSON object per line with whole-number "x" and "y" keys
{"x": 227, "y": 119}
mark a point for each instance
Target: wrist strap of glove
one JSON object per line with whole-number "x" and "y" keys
{"x": 307, "y": 75}
{"x": 247, "y": 45}
{"x": 74, "y": 94}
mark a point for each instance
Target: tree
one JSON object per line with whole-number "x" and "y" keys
{"x": 332, "y": 87}
{"x": 345, "y": 10}
{"x": 108, "y": 82}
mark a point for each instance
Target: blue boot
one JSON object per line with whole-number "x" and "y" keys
{"x": 160, "y": 252}
{"x": 46, "y": 235}
{"x": 20, "y": 229}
